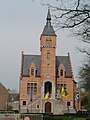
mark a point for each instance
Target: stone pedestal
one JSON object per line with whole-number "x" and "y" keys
{"x": 59, "y": 108}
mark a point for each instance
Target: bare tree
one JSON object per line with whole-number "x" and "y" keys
{"x": 84, "y": 75}
{"x": 74, "y": 15}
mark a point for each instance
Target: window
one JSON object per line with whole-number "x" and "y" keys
{"x": 28, "y": 88}
{"x": 48, "y": 42}
{"x": 37, "y": 106}
{"x": 36, "y": 72}
{"x": 48, "y": 55}
{"x": 61, "y": 72}
{"x": 68, "y": 104}
{"x": 65, "y": 73}
{"x": 32, "y": 72}
{"x": 33, "y": 87}
{"x": 59, "y": 86}
{"x": 64, "y": 86}
{"x": 24, "y": 102}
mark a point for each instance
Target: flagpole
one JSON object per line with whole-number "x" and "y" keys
{"x": 31, "y": 97}
{"x": 31, "y": 106}
{"x": 27, "y": 106}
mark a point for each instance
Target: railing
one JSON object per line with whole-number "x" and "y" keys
{"x": 7, "y": 117}
{"x": 20, "y": 116}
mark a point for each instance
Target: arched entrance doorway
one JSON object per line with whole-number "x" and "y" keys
{"x": 47, "y": 107}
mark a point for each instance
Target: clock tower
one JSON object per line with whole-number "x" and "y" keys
{"x": 48, "y": 57}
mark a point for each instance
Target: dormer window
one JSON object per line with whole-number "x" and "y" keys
{"x": 61, "y": 72}
{"x": 32, "y": 72}
{"x": 36, "y": 72}
{"x": 32, "y": 68}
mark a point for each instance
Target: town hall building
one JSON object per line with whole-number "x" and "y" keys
{"x": 43, "y": 77}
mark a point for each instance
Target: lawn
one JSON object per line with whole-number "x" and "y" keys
{"x": 79, "y": 119}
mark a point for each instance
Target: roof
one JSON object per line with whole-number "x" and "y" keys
{"x": 27, "y": 60}
{"x": 48, "y": 29}
{"x": 3, "y": 89}
{"x": 14, "y": 96}
{"x": 66, "y": 62}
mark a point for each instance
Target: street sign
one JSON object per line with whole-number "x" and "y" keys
{"x": 27, "y": 117}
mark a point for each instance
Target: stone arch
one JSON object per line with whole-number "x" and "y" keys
{"x": 53, "y": 89}
{"x": 48, "y": 87}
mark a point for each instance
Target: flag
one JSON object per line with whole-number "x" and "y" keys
{"x": 78, "y": 97}
{"x": 62, "y": 89}
{"x": 47, "y": 95}
{"x": 31, "y": 96}
{"x": 64, "y": 93}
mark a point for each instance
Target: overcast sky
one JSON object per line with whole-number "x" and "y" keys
{"x": 21, "y": 24}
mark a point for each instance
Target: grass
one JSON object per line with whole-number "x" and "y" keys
{"x": 79, "y": 119}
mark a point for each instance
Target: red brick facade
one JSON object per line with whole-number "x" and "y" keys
{"x": 4, "y": 97}
{"x": 46, "y": 73}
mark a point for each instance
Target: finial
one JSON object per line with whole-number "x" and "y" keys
{"x": 49, "y": 15}
{"x": 22, "y": 52}
{"x": 68, "y": 54}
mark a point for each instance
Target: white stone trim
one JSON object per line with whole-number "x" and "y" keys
{"x": 53, "y": 88}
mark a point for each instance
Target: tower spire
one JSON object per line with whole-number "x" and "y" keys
{"x": 48, "y": 29}
{"x": 48, "y": 23}
{"x": 48, "y": 15}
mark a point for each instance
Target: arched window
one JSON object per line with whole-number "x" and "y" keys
{"x": 48, "y": 87}
{"x": 48, "y": 55}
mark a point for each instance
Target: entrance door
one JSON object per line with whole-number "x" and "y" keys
{"x": 47, "y": 107}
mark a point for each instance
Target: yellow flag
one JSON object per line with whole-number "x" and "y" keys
{"x": 47, "y": 95}
{"x": 64, "y": 93}
{"x": 62, "y": 90}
